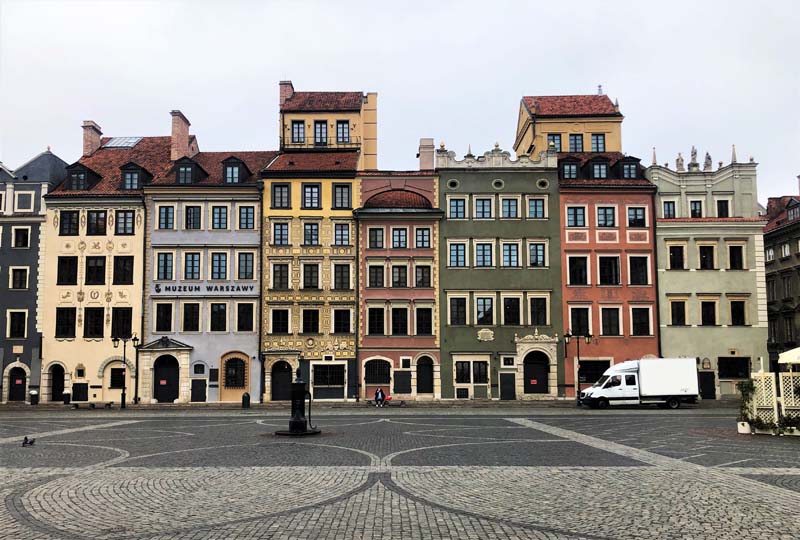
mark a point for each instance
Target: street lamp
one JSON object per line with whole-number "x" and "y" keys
{"x": 135, "y": 340}
{"x": 588, "y": 338}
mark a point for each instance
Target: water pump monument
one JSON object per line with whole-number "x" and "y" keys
{"x": 298, "y": 425}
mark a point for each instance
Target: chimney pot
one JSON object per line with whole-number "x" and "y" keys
{"x": 91, "y": 137}
{"x": 426, "y": 153}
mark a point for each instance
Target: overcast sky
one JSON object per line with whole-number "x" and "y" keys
{"x": 705, "y": 73}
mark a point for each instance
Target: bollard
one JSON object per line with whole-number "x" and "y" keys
{"x": 67, "y": 397}
{"x": 245, "y": 401}
{"x": 34, "y": 396}
{"x": 298, "y": 425}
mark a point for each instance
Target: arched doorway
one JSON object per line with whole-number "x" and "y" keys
{"x": 17, "y": 381}
{"x": 57, "y": 383}
{"x": 281, "y": 381}
{"x": 425, "y": 375}
{"x": 166, "y": 376}
{"x": 377, "y": 374}
{"x": 234, "y": 378}
{"x": 536, "y": 373}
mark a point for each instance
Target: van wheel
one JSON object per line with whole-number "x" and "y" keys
{"x": 602, "y": 403}
{"x": 673, "y": 403}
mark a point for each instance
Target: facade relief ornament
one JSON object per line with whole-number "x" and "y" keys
{"x": 484, "y": 334}
{"x": 122, "y": 294}
{"x": 110, "y": 220}
{"x": 81, "y": 296}
{"x": 55, "y": 220}
{"x": 66, "y": 295}
{"x": 110, "y": 246}
{"x": 96, "y": 245}
{"x": 81, "y": 245}
{"x": 94, "y": 295}
{"x": 138, "y": 219}
{"x": 83, "y": 219}
{"x": 109, "y": 297}
{"x": 536, "y": 338}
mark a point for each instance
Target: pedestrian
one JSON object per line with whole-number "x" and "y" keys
{"x": 380, "y": 397}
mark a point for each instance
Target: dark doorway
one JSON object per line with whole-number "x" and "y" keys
{"x": 16, "y": 378}
{"x": 508, "y": 389}
{"x": 56, "y": 383}
{"x": 707, "y": 385}
{"x": 536, "y": 371}
{"x": 281, "y": 381}
{"x": 425, "y": 375}
{"x": 166, "y": 373}
{"x": 198, "y": 390}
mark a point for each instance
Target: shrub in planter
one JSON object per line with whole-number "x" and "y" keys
{"x": 746, "y": 388}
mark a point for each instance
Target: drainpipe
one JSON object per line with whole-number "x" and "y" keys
{"x": 357, "y": 310}
{"x": 261, "y": 288}
{"x": 144, "y": 287}
{"x": 654, "y": 200}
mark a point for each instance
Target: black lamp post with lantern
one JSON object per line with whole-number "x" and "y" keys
{"x": 135, "y": 341}
{"x": 588, "y": 338}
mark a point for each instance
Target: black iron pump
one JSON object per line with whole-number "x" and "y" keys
{"x": 298, "y": 425}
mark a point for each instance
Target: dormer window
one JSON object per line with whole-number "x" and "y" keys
{"x": 599, "y": 170}
{"x": 629, "y": 170}
{"x": 131, "y": 180}
{"x": 185, "y": 174}
{"x": 569, "y": 170}
{"x": 231, "y": 174}
{"x": 794, "y": 213}
{"x": 77, "y": 181}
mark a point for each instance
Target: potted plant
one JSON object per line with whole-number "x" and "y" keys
{"x": 746, "y": 389}
{"x": 789, "y": 425}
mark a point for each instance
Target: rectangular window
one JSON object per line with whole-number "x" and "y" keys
{"x": 576, "y": 216}
{"x": 78, "y": 181}
{"x": 117, "y": 379}
{"x": 669, "y": 209}
{"x": 787, "y": 286}
{"x": 19, "y": 278}
{"x": 191, "y": 266}
{"x": 341, "y": 234}
{"x": 677, "y": 310}
{"x": 375, "y": 274}
{"x": 320, "y": 132}
{"x": 165, "y": 266}
{"x": 68, "y": 224}
{"x": 219, "y": 217}
{"x": 606, "y": 216}
{"x": 298, "y": 132}
{"x": 341, "y": 196}
{"x": 458, "y": 255}
{"x": 93, "y": 322}
{"x": 723, "y": 209}
{"x": 463, "y": 373}
{"x": 676, "y": 258}
{"x": 483, "y": 255}
{"x": 231, "y": 174}
{"x": 610, "y": 317}
{"x": 609, "y": 270}
{"x": 512, "y": 311}
{"x": 554, "y": 141}
{"x": 399, "y": 276}
{"x": 480, "y": 372}
{"x": 21, "y": 237}
{"x": 311, "y": 197}
{"x": 510, "y": 208}
{"x": 457, "y": 209}
{"x": 311, "y": 276}
{"x": 123, "y": 270}
{"x": 65, "y": 322}
{"x": 185, "y": 174}
{"x": 576, "y": 142}
{"x": 629, "y": 170}
{"x": 639, "y": 271}
{"x": 342, "y": 131}
{"x": 599, "y": 170}
{"x": 192, "y": 218}
{"x": 423, "y": 235}
{"x": 537, "y": 258}
{"x": 536, "y": 209}
{"x": 708, "y": 313}
{"x": 538, "y": 311}
{"x": 696, "y": 209}
{"x": 280, "y": 234}
{"x": 706, "y": 257}
{"x": 67, "y": 271}
{"x": 166, "y": 217}
{"x": 311, "y": 321}
{"x": 578, "y": 271}
{"x": 280, "y": 276}
{"x": 376, "y": 238}
{"x": 247, "y": 217}
{"x": 640, "y": 318}
{"x": 736, "y": 257}
{"x": 423, "y": 277}
{"x": 163, "y": 317}
{"x": 511, "y": 255}
{"x": 569, "y": 171}
{"x": 311, "y": 234}
{"x": 124, "y": 223}
{"x": 424, "y": 317}
{"x": 327, "y": 375}
{"x": 280, "y": 196}
{"x": 219, "y": 317}
{"x": 598, "y": 142}
{"x": 341, "y": 321}
{"x": 246, "y": 266}
{"x": 121, "y": 322}
{"x": 399, "y": 321}
{"x": 219, "y": 266}
{"x": 375, "y": 325}
{"x": 341, "y": 277}
{"x": 738, "y": 317}
{"x": 484, "y": 311}
{"x": 636, "y": 217}
{"x": 483, "y": 208}
{"x": 458, "y": 311}
{"x": 579, "y": 321}
{"x": 191, "y": 317}
{"x": 244, "y": 317}
{"x": 399, "y": 238}
{"x": 95, "y": 270}
{"x": 17, "y": 323}
{"x": 280, "y": 321}
{"x": 96, "y": 223}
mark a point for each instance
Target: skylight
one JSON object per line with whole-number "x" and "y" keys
{"x": 122, "y": 142}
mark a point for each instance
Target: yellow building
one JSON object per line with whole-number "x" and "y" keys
{"x": 587, "y": 123}
{"x": 93, "y": 265}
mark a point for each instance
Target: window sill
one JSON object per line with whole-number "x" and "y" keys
{"x": 310, "y": 208}
{"x": 343, "y": 245}
{"x": 280, "y": 207}
{"x": 310, "y": 245}
{"x": 280, "y": 245}
{"x": 707, "y": 269}
{"x": 341, "y": 290}
{"x": 310, "y": 333}
{"x": 737, "y": 269}
{"x": 609, "y": 285}
{"x": 341, "y": 207}
{"x": 280, "y": 334}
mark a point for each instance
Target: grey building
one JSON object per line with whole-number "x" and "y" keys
{"x": 711, "y": 277}
{"x": 22, "y": 214}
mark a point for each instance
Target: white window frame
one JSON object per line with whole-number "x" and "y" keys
{"x": 620, "y": 320}
{"x": 398, "y": 305}
{"x": 649, "y": 269}
{"x": 715, "y": 245}
{"x": 580, "y": 306}
{"x": 8, "y": 323}
{"x": 392, "y": 237}
{"x": 238, "y": 208}
{"x": 183, "y": 264}
{"x": 492, "y": 242}
{"x": 236, "y": 265}
{"x": 11, "y": 277}
{"x": 272, "y": 223}
{"x": 619, "y": 267}
{"x": 272, "y": 319}
{"x": 649, "y": 308}
{"x": 466, "y": 253}
{"x": 728, "y": 198}
{"x": 685, "y": 246}
{"x": 703, "y": 210}
{"x": 334, "y": 263}
{"x": 517, "y": 243}
{"x": 377, "y": 305}
{"x": 597, "y": 208}
{"x": 210, "y": 266}
{"x": 586, "y": 217}
{"x": 371, "y": 264}
{"x": 336, "y": 223}
{"x": 430, "y": 237}
{"x": 588, "y": 270}
{"x": 674, "y": 201}
{"x": 545, "y": 198}
{"x": 157, "y": 217}
{"x": 685, "y": 300}
{"x": 399, "y": 263}
{"x": 743, "y": 245}
{"x": 202, "y": 206}
{"x": 229, "y": 215}
{"x": 517, "y": 198}
{"x": 464, "y": 198}
{"x": 172, "y": 318}
{"x": 235, "y": 328}
{"x": 227, "y": 303}
{"x": 492, "y": 205}
{"x": 14, "y": 230}
{"x": 423, "y": 305}
{"x": 769, "y": 253}
{"x": 158, "y": 252}
{"x": 421, "y": 264}
{"x": 334, "y": 309}
{"x": 475, "y": 298}
{"x": 272, "y": 263}
{"x": 738, "y": 298}
{"x": 183, "y": 304}
{"x": 17, "y": 207}
{"x": 383, "y": 236}
{"x": 465, "y": 296}
{"x": 527, "y": 307}
{"x": 521, "y": 297}
{"x": 786, "y": 249}
{"x": 320, "y": 266}
{"x": 546, "y": 243}
{"x": 646, "y": 216}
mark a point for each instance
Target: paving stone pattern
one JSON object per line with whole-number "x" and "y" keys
{"x": 567, "y": 476}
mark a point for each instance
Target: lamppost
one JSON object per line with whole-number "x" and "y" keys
{"x": 567, "y": 337}
{"x": 135, "y": 340}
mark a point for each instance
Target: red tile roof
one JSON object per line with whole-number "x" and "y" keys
{"x": 211, "y": 162}
{"x": 429, "y": 173}
{"x": 713, "y": 220}
{"x": 607, "y": 182}
{"x": 398, "y": 198}
{"x": 314, "y": 162}
{"x": 777, "y": 212}
{"x": 323, "y": 101}
{"x": 587, "y": 105}
{"x": 585, "y": 157}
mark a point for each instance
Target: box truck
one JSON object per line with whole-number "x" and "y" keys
{"x": 666, "y": 382}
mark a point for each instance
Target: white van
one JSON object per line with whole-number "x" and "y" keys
{"x": 651, "y": 381}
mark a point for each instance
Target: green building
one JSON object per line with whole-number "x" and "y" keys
{"x": 500, "y": 276}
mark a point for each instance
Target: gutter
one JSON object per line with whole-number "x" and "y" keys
{"x": 655, "y": 269}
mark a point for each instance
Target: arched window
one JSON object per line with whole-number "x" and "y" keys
{"x": 377, "y": 372}
{"x": 235, "y": 373}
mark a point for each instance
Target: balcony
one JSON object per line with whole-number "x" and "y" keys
{"x": 314, "y": 143}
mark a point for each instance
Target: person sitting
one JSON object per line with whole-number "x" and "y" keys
{"x": 380, "y": 397}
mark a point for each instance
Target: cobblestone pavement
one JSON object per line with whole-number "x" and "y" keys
{"x": 378, "y": 475}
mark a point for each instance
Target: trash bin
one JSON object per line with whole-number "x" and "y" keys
{"x": 67, "y": 397}
{"x": 245, "y": 401}
{"x": 34, "y": 395}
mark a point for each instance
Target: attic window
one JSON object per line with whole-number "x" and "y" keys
{"x": 794, "y": 213}
{"x": 185, "y": 174}
{"x": 231, "y": 174}
{"x": 122, "y": 142}
{"x": 629, "y": 170}
{"x": 131, "y": 180}
{"x": 599, "y": 170}
{"x": 77, "y": 181}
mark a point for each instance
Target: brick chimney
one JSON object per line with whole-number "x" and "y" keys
{"x": 91, "y": 137}
{"x": 425, "y": 154}
{"x": 179, "y": 146}
{"x": 286, "y": 92}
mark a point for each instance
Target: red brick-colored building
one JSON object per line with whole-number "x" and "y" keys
{"x": 608, "y": 263}
{"x": 398, "y": 321}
